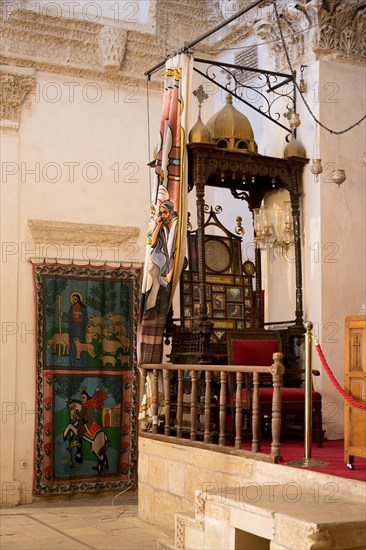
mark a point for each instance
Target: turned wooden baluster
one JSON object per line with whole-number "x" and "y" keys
{"x": 207, "y": 434}
{"x": 256, "y": 446}
{"x": 194, "y": 406}
{"x": 155, "y": 401}
{"x": 166, "y": 374}
{"x": 222, "y": 413}
{"x": 180, "y": 404}
{"x": 238, "y": 409}
{"x": 142, "y": 387}
{"x": 277, "y": 371}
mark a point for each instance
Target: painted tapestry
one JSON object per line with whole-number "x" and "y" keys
{"x": 86, "y": 378}
{"x": 167, "y": 232}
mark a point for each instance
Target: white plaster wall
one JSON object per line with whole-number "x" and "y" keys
{"x": 10, "y": 409}
{"x": 97, "y": 128}
{"x": 343, "y": 221}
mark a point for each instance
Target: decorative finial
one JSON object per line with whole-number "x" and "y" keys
{"x": 239, "y": 229}
{"x": 228, "y": 75}
{"x": 201, "y": 96}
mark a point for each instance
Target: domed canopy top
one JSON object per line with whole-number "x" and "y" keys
{"x": 232, "y": 126}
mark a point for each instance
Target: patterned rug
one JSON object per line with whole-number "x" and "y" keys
{"x": 86, "y": 398}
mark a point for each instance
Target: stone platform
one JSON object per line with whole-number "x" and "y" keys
{"x": 273, "y": 516}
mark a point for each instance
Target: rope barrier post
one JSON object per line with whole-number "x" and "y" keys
{"x": 307, "y": 461}
{"x": 308, "y": 391}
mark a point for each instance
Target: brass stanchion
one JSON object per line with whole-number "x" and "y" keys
{"x": 307, "y": 461}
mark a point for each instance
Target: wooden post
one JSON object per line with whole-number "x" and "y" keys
{"x": 180, "y": 404}
{"x": 166, "y": 374}
{"x": 238, "y": 409}
{"x": 155, "y": 401}
{"x": 222, "y": 413}
{"x": 194, "y": 406}
{"x": 256, "y": 446}
{"x": 207, "y": 434}
{"x": 277, "y": 371}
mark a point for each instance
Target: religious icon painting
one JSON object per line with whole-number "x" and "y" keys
{"x": 235, "y": 310}
{"x": 234, "y": 294}
{"x": 86, "y": 378}
{"x": 218, "y": 301}
{"x": 187, "y": 312}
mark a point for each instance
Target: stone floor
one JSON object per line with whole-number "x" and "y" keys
{"x": 107, "y": 522}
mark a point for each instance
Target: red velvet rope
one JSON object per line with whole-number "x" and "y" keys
{"x": 334, "y": 381}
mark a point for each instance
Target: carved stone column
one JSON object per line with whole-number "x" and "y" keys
{"x": 15, "y": 85}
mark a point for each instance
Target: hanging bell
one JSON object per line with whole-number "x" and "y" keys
{"x": 316, "y": 168}
{"x": 338, "y": 176}
{"x": 295, "y": 120}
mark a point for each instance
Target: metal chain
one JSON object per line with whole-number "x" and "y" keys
{"x": 337, "y": 132}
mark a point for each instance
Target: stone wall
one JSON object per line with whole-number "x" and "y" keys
{"x": 170, "y": 474}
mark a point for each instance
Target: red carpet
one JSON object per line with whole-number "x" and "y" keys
{"x": 331, "y": 452}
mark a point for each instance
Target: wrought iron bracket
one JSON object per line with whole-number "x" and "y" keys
{"x": 267, "y": 82}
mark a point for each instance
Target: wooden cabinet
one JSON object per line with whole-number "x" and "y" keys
{"x": 355, "y": 385}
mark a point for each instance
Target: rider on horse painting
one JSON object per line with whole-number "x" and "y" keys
{"x": 87, "y": 425}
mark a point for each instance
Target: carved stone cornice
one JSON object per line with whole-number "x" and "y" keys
{"x": 46, "y": 231}
{"x": 15, "y": 85}
{"x": 297, "y": 25}
{"x": 104, "y": 50}
{"x": 113, "y": 51}
{"x": 342, "y": 31}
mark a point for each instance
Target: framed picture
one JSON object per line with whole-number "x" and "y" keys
{"x": 196, "y": 309}
{"x": 248, "y": 303}
{"x": 218, "y": 288}
{"x": 185, "y": 276}
{"x": 196, "y": 292}
{"x": 246, "y": 291}
{"x": 218, "y": 301}
{"x": 235, "y": 310}
{"x": 239, "y": 325}
{"x": 186, "y": 287}
{"x": 219, "y": 314}
{"x": 187, "y": 299}
{"x": 219, "y": 334}
{"x": 187, "y": 312}
{"x": 234, "y": 294}
{"x": 219, "y": 279}
{"x": 223, "y": 324}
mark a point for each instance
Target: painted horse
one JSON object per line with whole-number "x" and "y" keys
{"x": 97, "y": 437}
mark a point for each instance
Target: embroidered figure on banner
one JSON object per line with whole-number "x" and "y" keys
{"x": 83, "y": 425}
{"x": 162, "y": 257}
{"x": 89, "y": 340}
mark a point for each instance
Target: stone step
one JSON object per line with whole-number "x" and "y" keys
{"x": 188, "y": 532}
{"x": 283, "y": 517}
{"x": 163, "y": 545}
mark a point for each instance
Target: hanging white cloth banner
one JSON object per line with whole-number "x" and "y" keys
{"x": 167, "y": 232}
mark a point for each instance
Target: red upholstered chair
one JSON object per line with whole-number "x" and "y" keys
{"x": 244, "y": 350}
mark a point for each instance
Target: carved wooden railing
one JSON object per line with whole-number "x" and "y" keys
{"x": 227, "y": 386}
